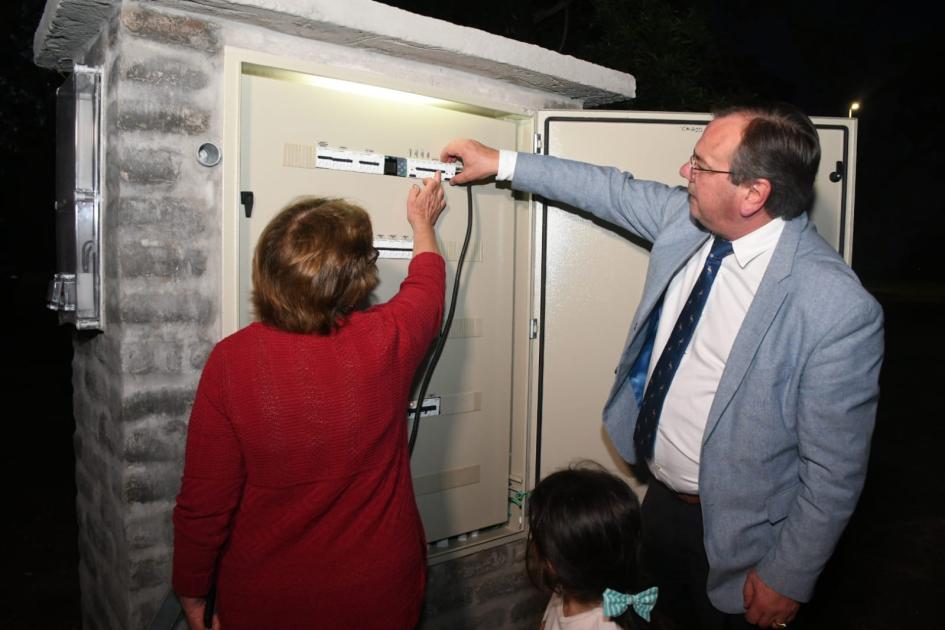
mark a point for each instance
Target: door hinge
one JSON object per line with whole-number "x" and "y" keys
{"x": 533, "y": 329}
{"x": 537, "y": 143}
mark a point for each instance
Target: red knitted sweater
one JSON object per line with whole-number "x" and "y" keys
{"x": 297, "y": 476}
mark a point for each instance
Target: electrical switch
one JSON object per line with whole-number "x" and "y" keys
{"x": 344, "y": 159}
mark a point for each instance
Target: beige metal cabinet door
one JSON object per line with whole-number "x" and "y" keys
{"x": 592, "y": 277}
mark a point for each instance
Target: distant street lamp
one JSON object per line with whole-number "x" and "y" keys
{"x": 854, "y": 106}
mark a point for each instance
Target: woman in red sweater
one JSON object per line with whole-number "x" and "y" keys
{"x": 296, "y": 496}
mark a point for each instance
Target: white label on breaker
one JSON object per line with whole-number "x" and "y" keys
{"x": 341, "y": 159}
{"x": 427, "y": 168}
{"x": 394, "y": 247}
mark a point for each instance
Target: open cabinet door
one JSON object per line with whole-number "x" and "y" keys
{"x": 592, "y": 274}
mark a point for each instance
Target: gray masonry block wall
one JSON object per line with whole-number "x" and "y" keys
{"x": 134, "y": 383}
{"x": 97, "y": 402}
{"x": 488, "y": 589}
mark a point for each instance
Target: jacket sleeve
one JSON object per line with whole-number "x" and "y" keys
{"x": 839, "y": 391}
{"x": 642, "y": 207}
{"x": 212, "y": 485}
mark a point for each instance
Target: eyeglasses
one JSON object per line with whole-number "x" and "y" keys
{"x": 693, "y": 169}
{"x": 372, "y": 256}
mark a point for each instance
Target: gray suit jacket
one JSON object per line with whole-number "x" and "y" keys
{"x": 786, "y": 445}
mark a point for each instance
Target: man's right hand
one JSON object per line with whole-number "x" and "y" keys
{"x": 479, "y": 161}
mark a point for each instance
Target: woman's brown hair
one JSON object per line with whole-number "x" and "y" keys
{"x": 314, "y": 264}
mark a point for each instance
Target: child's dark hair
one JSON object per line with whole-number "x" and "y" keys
{"x": 584, "y": 526}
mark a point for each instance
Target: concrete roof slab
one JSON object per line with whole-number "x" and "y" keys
{"x": 69, "y": 27}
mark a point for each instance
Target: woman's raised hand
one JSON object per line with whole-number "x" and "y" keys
{"x": 424, "y": 204}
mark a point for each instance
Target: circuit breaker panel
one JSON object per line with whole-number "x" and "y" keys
{"x": 306, "y": 135}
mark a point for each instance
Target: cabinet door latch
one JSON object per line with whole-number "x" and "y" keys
{"x": 246, "y": 198}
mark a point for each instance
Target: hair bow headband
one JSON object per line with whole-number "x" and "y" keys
{"x": 616, "y": 603}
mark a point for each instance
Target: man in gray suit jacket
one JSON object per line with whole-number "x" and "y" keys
{"x": 760, "y": 438}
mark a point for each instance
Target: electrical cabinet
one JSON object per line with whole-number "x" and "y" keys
{"x": 75, "y": 290}
{"x": 546, "y": 295}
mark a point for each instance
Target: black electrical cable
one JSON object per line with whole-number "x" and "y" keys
{"x": 440, "y": 341}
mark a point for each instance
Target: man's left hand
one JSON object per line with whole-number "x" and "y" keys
{"x": 765, "y": 607}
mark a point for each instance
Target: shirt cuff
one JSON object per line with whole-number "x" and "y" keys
{"x": 506, "y": 165}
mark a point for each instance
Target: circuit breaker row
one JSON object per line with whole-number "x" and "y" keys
{"x": 344, "y": 159}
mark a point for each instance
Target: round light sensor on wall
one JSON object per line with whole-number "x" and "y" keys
{"x": 208, "y": 154}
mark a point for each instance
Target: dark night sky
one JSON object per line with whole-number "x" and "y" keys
{"x": 26, "y": 146}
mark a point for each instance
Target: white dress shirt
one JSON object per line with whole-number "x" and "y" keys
{"x": 686, "y": 407}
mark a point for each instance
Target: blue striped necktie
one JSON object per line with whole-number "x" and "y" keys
{"x": 644, "y": 435}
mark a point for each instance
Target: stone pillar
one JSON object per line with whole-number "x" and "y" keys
{"x": 134, "y": 383}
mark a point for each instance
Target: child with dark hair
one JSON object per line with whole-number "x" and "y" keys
{"x": 584, "y": 528}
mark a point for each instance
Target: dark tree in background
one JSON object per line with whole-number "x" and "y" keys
{"x": 669, "y": 47}
{"x": 671, "y": 51}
